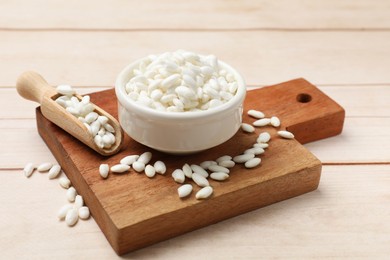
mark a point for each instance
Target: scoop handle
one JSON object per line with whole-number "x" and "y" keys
{"x": 32, "y": 86}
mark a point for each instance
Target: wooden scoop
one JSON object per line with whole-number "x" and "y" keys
{"x": 34, "y": 87}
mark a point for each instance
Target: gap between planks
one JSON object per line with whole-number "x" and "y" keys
{"x": 328, "y": 151}
{"x": 254, "y": 29}
{"x": 359, "y": 102}
{"x": 324, "y": 164}
{"x": 253, "y": 86}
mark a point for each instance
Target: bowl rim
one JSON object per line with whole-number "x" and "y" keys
{"x": 121, "y": 94}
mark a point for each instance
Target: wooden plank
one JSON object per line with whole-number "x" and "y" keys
{"x": 266, "y": 58}
{"x": 332, "y": 222}
{"x": 176, "y": 14}
{"x": 29, "y": 221}
{"x": 358, "y": 101}
{"x": 361, "y": 101}
{"x": 364, "y": 140}
{"x": 27, "y": 145}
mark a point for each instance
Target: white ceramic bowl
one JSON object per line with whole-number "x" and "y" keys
{"x": 179, "y": 132}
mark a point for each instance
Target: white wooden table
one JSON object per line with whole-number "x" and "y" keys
{"x": 341, "y": 46}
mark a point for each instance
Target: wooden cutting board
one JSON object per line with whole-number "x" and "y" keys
{"x": 134, "y": 211}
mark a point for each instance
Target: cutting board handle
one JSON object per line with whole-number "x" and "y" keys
{"x": 32, "y": 86}
{"x": 304, "y": 109}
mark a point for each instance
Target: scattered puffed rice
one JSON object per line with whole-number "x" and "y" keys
{"x": 187, "y": 170}
{"x": 262, "y": 122}
{"x": 79, "y": 201}
{"x": 64, "y": 182}
{"x": 204, "y": 193}
{"x": 199, "y": 170}
{"x": 63, "y": 211}
{"x": 286, "y": 134}
{"x": 252, "y": 162}
{"x": 223, "y": 158}
{"x": 261, "y": 145}
{"x": 150, "y": 171}
{"x": 200, "y": 180}
{"x": 256, "y": 114}
{"x": 44, "y": 167}
{"x": 275, "y": 122}
{"x": 145, "y": 157}
{"x": 243, "y": 157}
{"x": 119, "y": 168}
{"x": 104, "y": 170}
{"x": 28, "y": 169}
{"x": 227, "y": 164}
{"x": 71, "y": 194}
{"x": 219, "y": 176}
{"x": 138, "y": 166}
{"x": 255, "y": 150}
{"x": 247, "y": 128}
{"x": 206, "y": 164}
{"x": 178, "y": 175}
{"x": 184, "y": 190}
{"x": 160, "y": 167}
{"x": 54, "y": 171}
{"x": 72, "y": 216}
{"x": 84, "y": 212}
{"x": 129, "y": 160}
{"x": 69, "y": 212}
{"x": 218, "y": 168}
{"x": 264, "y": 137}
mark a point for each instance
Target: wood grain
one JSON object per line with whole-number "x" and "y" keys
{"x": 177, "y": 15}
{"x": 133, "y": 213}
{"x": 341, "y": 45}
{"x": 366, "y": 110}
{"x": 353, "y": 145}
{"x": 341, "y": 217}
{"x": 358, "y": 101}
{"x": 346, "y": 148}
{"x": 278, "y": 56}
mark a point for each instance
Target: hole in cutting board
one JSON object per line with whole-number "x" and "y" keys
{"x": 303, "y": 98}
